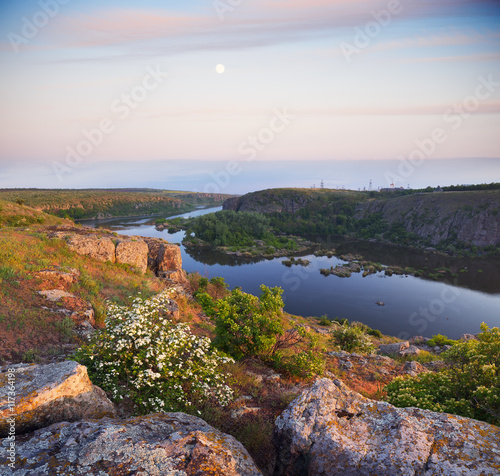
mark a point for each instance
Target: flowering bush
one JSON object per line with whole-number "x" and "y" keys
{"x": 352, "y": 338}
{"x": 470, "y": 386}
{"x": 160, "y": 365}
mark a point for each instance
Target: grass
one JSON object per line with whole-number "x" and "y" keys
{"x": 24, "y": 253}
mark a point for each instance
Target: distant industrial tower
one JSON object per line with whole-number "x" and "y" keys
{"x": 322, "y": 184}
{"x": 370, "y": 186}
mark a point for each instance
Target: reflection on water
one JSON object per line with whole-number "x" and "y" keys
{"x": 413, "y": 306}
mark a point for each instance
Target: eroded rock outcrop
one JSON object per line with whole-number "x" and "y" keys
{"x": 46, "y": 394}
{"x": 159, "y": 444}
{"x": 330, "y": 430}
{"x": 165, "y": 259}
{"x": 100, "y": 248}
{"x": 162, "y": 257}
{"x": 133, "y": 252}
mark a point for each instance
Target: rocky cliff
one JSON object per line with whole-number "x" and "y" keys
{"x": 269, "y": 201}
{"x": 455, "y": 216}
{"x": 451, "y": 217}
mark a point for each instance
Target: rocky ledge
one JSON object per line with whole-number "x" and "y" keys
{"x": 160, "y": 256}
{"x": 35, "y": 396}
{"x": 160, "y": 444}
{"x": 330, "y": 430}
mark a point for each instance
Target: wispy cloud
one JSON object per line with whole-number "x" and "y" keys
{"x": 260, "y": 23}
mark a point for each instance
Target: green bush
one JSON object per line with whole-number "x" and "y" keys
{"x": 159, "y": 365}
{"x": 246, "y": 325}
{"x": 352, "y": 339}
{"x": 303, "y": 364}
{"x": 324, "y": 321}
{"x": 470, "y": 386}
{"x": 440, "y": 340}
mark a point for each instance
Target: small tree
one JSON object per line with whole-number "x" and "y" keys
{"x": 247, "y": 325}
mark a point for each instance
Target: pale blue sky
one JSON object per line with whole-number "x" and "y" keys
{"x": 416, "y": 72}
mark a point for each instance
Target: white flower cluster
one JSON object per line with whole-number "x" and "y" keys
{"x": 162, "y": 366}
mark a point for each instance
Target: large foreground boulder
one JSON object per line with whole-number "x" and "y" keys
{"x": 159, "y": 444}
{"x": 46, "y": 394}
{"x": 330, "y": 430}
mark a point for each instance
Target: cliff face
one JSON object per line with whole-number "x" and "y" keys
{"x": 457, "y": 216}
{"x": 269, "y": 201}
{"x": 468, "y": 217}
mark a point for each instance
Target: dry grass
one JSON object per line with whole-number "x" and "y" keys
{"x": 24, "y": 323}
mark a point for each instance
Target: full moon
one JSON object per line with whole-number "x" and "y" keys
{"x": 220, "y": 68}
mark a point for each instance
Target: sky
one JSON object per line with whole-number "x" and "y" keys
{"x": 233, "y": 96}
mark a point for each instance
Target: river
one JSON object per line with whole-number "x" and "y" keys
{"x": 412, "y": 306}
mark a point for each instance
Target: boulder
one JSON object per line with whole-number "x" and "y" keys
{"x": 394, "y": 348}
{"x": 165, "y": 259}
{"x": 46, "y": 394}
{"x": 330, "y": 430}
{"x": 411, "y": 350}
{"x": 414, "y": 368}
{"x": 100, "y": 248}
{"x": 133, "y": 252}
{"x": 468, "y": 337}
{"x": 55, "y": 295}
{"x": 157, "y": 444}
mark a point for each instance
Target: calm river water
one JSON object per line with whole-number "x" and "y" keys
{"x": 413, "y": 306}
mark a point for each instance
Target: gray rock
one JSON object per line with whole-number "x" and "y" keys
{"x": 160, "y": 444}
{"x": 414, "y": 368}
{"x": 46, "y": 394}
{"x": 346, "y": 364}
{"x": 468, "y": 337}
{"x": 394, "y": 348}
{"x": 100, "y": 248}
{"x": 417, "y": 340}
{"x": 330, "y": 430}
{"x": 55, "y": 295}
{"x": 412, "y": 350}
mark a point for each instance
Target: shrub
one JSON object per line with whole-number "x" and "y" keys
{"x": 159, "y": 365}
{"x": 324, "y": 321}
{"x": 303, "y": 364}
{"x": 374, "y": 333}
{"x": 352, "y": 339}
{"x": 440, "y": 340}
{"x": 246, "y": 325}
{"x": 470, "y": 386}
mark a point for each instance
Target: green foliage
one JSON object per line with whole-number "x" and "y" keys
{"x": 440, "y": 340}
{"x": 374, "y": 333}
{"x": 31, "y": 356}
{"x": 246, "y": 325}
{"x": 228, "y": 228}
{"x": 65, "y": 327}
{"x": 302, "y": 364}
{"x": 324, "y": 321}
{"x": 470, "y": 386}
{"x": 352, "y": 338}
{"x": 159, "y": 365}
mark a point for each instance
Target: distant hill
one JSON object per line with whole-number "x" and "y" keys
{"x": 15, "y": 215}
{"x": 81, "y": 204}
{"x": 451, "y": 220}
